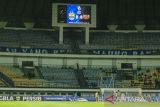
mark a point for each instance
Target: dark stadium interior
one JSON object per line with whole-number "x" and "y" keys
{"x": 122, "y": 51}
{"x": 125, "y": 13}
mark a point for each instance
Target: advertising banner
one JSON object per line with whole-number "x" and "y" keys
{"x": 68, "y": 98}
{"x": 20, "y": 98}
{"x": 70, "y": 51}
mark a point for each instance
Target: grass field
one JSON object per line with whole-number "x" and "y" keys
{"x": 73, "y": 104}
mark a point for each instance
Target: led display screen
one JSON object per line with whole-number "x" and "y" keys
{"x": 74, "y": 14}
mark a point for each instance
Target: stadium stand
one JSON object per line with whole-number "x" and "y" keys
{"x": 60, "y": 76}
{"x": 13, "y": 78}
{"x": 28, "y": 38}
{"x": 92, "y": 76}
{"x": 2, "y": 84}
{"x": 118, "y": 40}
{"x": 98, "y": 40}
{"x": 63, "y": 77}
{"x": 95, "y": 77}
{"x": 13, "y": 68}
{"x": 53, "y": 77}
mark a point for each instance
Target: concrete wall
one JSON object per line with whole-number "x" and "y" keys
{"x": 86, "y": 60}
{"x": 6, "y": 59}
{"x": 150, "y": 62}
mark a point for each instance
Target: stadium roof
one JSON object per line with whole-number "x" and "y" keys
{"x": 120, "y": 12}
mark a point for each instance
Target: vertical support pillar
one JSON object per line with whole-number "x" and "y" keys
{"x": 39, "y": 61}
{"x": 89, "y": 63}
{"x": 61, "y": 35}
{"x": 64, "y": 62}
{"x": 138, "y": 63}
{"x": 138, "y": 67}
{"x": 15, "y": 61}
{"x": 87, "y": 35}
{"x": 114, "y": 65}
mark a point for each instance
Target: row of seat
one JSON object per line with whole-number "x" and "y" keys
{"x": 98, "y": 40}
{"x": 66, "y": 77}
{"x": 2, "y": 83}
{"x": 60, "y": 76}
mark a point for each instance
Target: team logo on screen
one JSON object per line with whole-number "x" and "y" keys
{"x": 71, "y": 16}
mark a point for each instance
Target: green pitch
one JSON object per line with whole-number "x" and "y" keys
{"x": 74, "y": 104}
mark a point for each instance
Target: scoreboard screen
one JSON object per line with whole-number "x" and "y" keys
{"x": 74, "y": 15}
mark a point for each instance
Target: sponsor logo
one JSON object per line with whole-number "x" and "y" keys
{"x": 28, "y": 98}
{"x": 54, "y": 98}
{"x": 18, "y": 98}
{"x": 90, "y": 51}
{"x": 6, "y": 98}
{"x": 134, "y": 99}
{"x": 110, "y": 99}
{"x": 78, "y": 99}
